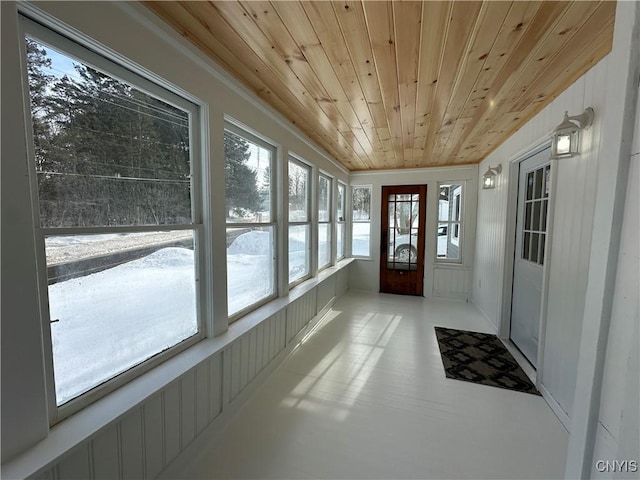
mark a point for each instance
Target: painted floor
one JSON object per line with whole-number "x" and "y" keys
{"x": 365, "y": 396}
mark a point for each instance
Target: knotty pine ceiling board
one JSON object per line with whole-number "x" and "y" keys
{"x": 400, "y": 84}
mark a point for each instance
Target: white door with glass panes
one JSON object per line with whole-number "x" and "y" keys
{"x": 531, "y": 238}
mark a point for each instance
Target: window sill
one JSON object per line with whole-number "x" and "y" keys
{"x": 81, "y": 426}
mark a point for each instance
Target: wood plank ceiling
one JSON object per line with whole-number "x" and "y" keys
{"x": 401, "y": 84}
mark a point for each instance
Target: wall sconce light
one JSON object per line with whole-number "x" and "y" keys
{"x": 566, "y": 136}
{"x": 489, "y": 178}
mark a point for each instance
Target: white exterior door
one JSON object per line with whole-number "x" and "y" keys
{"x": 531, "y": 238}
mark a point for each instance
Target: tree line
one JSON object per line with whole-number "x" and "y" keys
{"x": 108, "y": 154}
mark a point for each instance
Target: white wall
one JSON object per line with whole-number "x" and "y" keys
{"x": 131, "y": 32}
{"x": 570, "y": 237}
{"x": 618, "y": 429}
{"x": 583, "y": 238}
{"x": 450, "y": 280}
{"x": 568, "y": 262}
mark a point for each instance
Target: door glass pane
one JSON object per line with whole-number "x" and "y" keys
{"x": 529, "y": 185}
{"x": 534, "y": 248}
{"x": 547, "y": 180}
{"x": 543, "y": 222}
{"x": 538, "y": 191}
{"x": 527, "y": 216}
{"x": 543, "y": 238}
{"x": 536, "y": 215}
{"x": 402, "y": 233}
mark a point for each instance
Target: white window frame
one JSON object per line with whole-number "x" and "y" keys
{"x": 329, "y": 222}
{"x": 354, "y": 221}
{"x": 341, "y": 220}
{"x": 308, "y": 222}
{"x": 200, "y": 215}
{"x": 273, "y": 218}
{"x": 451, "y": 223}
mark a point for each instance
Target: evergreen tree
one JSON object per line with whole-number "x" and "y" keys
{"x": 241, "y": 192}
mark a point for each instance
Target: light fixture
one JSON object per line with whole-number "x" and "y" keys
{"x": 566, "y": 136}
{"x": 489, "y": 178}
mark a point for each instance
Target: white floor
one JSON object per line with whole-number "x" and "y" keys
{"x": 365, "y": 396}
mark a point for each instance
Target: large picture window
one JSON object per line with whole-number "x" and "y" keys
{"x": 251, "y": 243}
{"x": 449, "y": 221}
{"x": 324, "y": 221}
{"x": 361, "y": 221}
{"x": 299, "y": 220}
{"x": 115, "y": 178}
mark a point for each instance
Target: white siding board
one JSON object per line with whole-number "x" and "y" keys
{"x": 131, "y": 438}
{"x": 326, "y": 292}
{"x": 260, "y": 363}
{"x": 106, "y": 456}
{"x": 171, "y": 413}
{"x": 188, "y": 407}
{"x": 153, "y": 437}
{"x": 202, "y": 396}
{"x": 244, "y": 361}
{"x": 215, "y": 386}
{"x": 75, "y": 466}
{"x": 252, "y": 354}
{"x": 236, "y": 365}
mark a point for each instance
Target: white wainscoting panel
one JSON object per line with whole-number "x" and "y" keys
{"x": 299, "y": 312}
{"x": 326, "y": 292}
{"x": 451, "y": 282}
{"x": 149, "y": 437}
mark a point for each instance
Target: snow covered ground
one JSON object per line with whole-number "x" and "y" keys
{"x": 108, "y": 322}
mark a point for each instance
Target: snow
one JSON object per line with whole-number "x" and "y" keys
{"x": 108, "y": 322}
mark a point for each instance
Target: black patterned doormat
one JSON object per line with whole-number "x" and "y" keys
{"x": 481, "y": 358}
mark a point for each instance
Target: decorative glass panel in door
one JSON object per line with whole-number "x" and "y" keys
{"x": 402, "y": 249}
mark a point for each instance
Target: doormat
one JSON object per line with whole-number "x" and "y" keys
{"x": 481, "y": 358}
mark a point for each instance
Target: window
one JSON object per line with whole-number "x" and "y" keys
{"x": 361, "y": 208}
{"x": 449, "y": 221}
{"x": 115, "y": 178}
{"x": 299, "y": 221}
{"x": 536, "y": 204}
{"x": 251, "y": 245}
{"x": 324, "y": 221}
{"x": 340, "y": 229}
